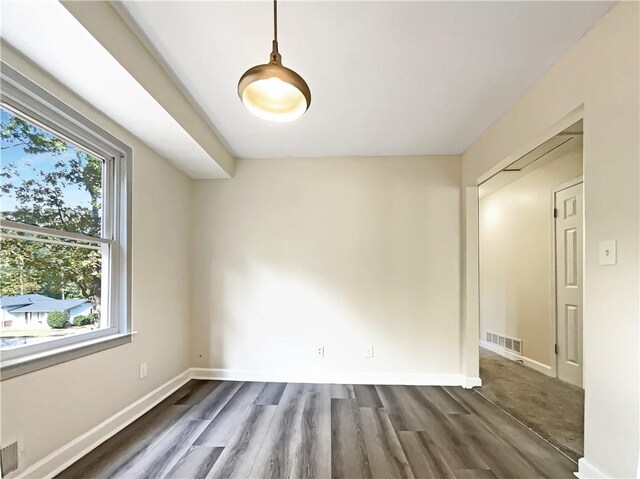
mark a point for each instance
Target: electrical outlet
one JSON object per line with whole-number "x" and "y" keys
{"x": 607, "y": 252}
{"x": 143, "y": 370}
{"x": 320, "y": 351}
{"x": 368, "y": 352}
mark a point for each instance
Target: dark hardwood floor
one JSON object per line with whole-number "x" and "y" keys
{"x": 270, "y": 430}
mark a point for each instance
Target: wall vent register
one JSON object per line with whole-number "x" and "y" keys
{"x": 505, "y": 342}
{"x": 9, "y": 458}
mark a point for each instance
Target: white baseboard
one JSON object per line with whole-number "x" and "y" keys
{"x": 531, "y": 363}
{"x": 323, "y": 377}
{"x": 586, "y": 470}
{"x": 63, "y": 457}
{"x": 470, "y": 383}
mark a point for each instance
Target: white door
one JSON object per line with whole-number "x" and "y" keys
{"x": 569, "y": 229}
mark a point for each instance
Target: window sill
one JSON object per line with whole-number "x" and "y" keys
{"x": 11, "y": 368}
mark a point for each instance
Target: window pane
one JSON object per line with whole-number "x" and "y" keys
{"x": 46, "y": 181}
{"x": 48, "y": 291}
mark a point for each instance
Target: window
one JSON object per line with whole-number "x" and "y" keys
{"x": 64, "y": 201}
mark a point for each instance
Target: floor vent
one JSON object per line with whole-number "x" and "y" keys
{"x": 9, "y": 458}
{"x": 510, "y": 344}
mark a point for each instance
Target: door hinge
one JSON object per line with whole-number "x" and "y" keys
{"x": 557, "y": 349}
{"x": 555, "y": 212}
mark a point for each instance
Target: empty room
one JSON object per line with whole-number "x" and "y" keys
{"x": 319, "y": 239}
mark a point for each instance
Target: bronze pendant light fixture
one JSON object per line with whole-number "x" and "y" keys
{"x": 272, "y": 91}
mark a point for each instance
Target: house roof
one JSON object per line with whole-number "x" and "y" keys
{"x": 49, "y": 305}
{"x": 21, "y": 300}
{"x": 37, "y": 303}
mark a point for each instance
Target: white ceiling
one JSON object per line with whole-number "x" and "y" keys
{"x": 387, "y": 78}
{"x": 47, "y": 34}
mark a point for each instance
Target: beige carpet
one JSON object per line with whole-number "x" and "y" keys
{"x": 550, "y": 407}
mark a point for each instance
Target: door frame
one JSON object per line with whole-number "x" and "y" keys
{"x": 471, "y": 247}
{"x": 554, "y": 271}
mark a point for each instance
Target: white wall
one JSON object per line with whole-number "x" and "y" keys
{"x": 343, "y": 253}
{"x": 516, "y": 256}
{"x": 48, "y": 408}
{"x": 600, "y": 72}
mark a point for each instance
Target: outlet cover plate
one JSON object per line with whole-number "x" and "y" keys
{"x": 143, "y": 370}
{"x": 607, "y": 253}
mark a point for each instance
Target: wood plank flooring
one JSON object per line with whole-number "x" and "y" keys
{"x": 212, "y": 429}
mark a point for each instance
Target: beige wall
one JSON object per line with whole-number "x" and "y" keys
{"x": 337, "y": 252}
{"x": 516, "y": 253}
{"x": 48, "y": 408}
{"x": 600, "y": 72}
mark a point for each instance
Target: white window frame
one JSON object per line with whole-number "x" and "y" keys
{"x": 27, "y": 100}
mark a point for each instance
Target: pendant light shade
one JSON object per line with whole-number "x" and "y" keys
{"x": 272, "y": 91}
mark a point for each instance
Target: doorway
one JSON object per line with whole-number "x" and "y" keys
{"x": 530, "y": 289}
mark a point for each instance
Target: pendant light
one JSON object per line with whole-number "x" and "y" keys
{"x": 271, "y": 91}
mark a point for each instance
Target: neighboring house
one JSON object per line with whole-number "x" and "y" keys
{"x": 30, "y": 311}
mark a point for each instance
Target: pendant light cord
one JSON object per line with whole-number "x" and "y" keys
{"x": 275, "y": 20}
{"x": 275, "y": 55}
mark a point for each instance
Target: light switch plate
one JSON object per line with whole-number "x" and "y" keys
{"x": 607, "y": 252}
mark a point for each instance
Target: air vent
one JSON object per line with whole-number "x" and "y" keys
{"x": 517, "y": 346}
{"x": 505, "y": 342}
{"x": 9, "y": 458}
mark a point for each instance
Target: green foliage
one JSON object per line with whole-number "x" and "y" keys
{"x": 58, "y": 319}
{"x": 83, "y": 319}
{"x": 17, "y": 269}
{"x": 40, "y": 197}
{"x": 17, "y": 132}
{"x": 50, "y": 269}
